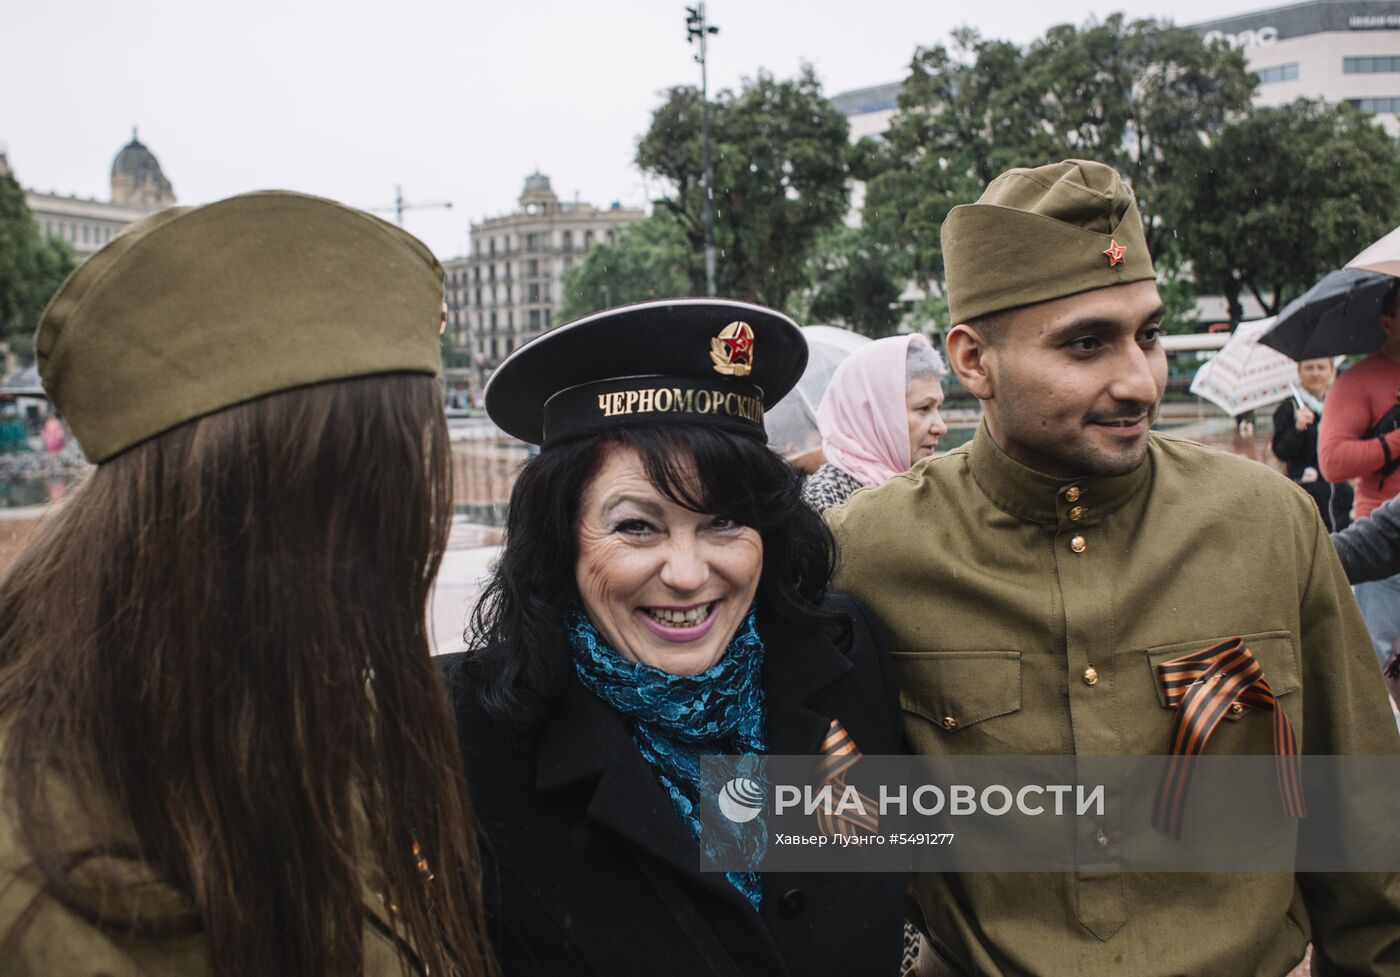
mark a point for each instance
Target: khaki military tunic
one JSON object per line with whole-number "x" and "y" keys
{"x": 1026, "y": 613}
{"x": 39, "y": 937}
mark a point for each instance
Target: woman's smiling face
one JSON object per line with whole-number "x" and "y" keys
{"x": 663, "y": 585}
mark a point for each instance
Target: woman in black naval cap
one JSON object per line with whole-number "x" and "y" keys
{"x": 661, "y": 597}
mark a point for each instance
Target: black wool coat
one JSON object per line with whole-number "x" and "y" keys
{"x": 590, "y": 871}
{"x": 1298, "y": 451}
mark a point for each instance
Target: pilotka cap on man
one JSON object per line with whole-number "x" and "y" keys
{"x": 1040, "y": 234}
{"x": 192, "y": 310}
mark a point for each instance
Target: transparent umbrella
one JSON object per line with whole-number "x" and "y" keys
{"x": 792, "y": 422}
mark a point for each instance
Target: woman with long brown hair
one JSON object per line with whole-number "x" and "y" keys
{"x": 224, "y": 748}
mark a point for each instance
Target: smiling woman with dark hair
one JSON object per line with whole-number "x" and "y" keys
{"x": 661, "y": 597}
{"x": 564, "y": 545}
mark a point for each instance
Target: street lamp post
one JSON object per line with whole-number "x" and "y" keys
{"x": 400, "y": 205}
{"x": 697, "y": 27}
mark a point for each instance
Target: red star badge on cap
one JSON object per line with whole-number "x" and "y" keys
{"x": 738, "y": 346}
{"x": 1115, "y": 252}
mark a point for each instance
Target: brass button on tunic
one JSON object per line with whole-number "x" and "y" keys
{"x": 1168, "y": 575}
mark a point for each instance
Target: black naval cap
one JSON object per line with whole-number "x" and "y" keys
{"x": 715, "y": 362}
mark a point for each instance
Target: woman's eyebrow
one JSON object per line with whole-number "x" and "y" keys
{"x": 649, "y": 506}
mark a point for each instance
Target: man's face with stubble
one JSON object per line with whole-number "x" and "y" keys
{"x": 1070, "y": 387}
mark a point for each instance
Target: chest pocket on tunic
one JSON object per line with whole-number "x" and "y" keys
{"x": 1276, "y": 656}
{"x": 946, "y": 693}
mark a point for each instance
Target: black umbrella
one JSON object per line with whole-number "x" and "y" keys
{"x": 1339, "y": 315}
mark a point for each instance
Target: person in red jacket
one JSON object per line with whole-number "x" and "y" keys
{"x": 1347, "y": 449}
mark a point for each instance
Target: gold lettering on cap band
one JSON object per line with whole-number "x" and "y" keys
{"x": 734, "y": 405}
{"x": 668, "y": 400}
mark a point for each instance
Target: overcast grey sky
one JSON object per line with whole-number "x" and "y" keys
{"x": 454, "y": 100}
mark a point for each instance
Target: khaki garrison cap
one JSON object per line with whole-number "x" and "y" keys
{"x": 192, "y": 310}
{"x": 1040, "y": 234}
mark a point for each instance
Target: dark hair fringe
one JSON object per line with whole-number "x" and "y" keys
{"x": 517, "y": 629}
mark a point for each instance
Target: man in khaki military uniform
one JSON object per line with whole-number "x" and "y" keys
{"x": 1031, "y": 580}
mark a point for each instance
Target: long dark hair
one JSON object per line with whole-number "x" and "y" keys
{"x": 517, "y": 627}
{"x": 219, "y": 642}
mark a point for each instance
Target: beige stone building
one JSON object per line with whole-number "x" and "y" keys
{"x": 138, "y": 188}
{"x": 509, "y": 288}
{"x": 1337, "y": 50}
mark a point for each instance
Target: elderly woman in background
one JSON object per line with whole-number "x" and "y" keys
{"x": 880, "y": 414}
{"x": 1296, "y": 423}
{"x": 661, "y": 597}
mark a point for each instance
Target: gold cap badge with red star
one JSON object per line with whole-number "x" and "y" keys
{"x": 731, "y": 351}
{"x": 1060, "y": 215}
{"x": 646, "y": 364}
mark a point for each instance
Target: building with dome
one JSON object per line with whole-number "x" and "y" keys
{"x": 508, "y": 289}
{"x": 137, "y": 180}
{"x": 139, "y": 187}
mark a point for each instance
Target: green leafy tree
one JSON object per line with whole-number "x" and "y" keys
{"x": 953, "y": 133}
{"x": 852, "y": 284}
{"x": 1138, "y": 96}
{"x": 651, "y": 260}
{"x": 779, "y": 158}
{"x": 1135, "y": 95}
{"x": 31, "y": 267}
{"x": 1284, "y": 196}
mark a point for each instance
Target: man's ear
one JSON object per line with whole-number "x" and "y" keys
{"x": 968, "y": 352}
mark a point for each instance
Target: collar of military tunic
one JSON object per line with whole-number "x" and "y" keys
{"x": 1035, "y": 497}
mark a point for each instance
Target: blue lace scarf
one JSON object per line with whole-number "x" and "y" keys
{"x": 676, "y": 719}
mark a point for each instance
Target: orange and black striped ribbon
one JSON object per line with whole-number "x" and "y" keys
{"x": 839, "y": 755}
{"x": 1202, "y": 687}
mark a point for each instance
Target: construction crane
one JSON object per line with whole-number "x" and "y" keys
{"x": 400, "y": 205}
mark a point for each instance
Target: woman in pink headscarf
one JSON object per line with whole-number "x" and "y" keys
{"x": 52, "y": 434}
{"x": 879, "y": 415}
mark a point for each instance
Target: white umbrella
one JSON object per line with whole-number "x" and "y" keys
{"x": 1383, "y": 256}
{"x": 1244, "y": 374}
{"x": 792, "y": 421}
